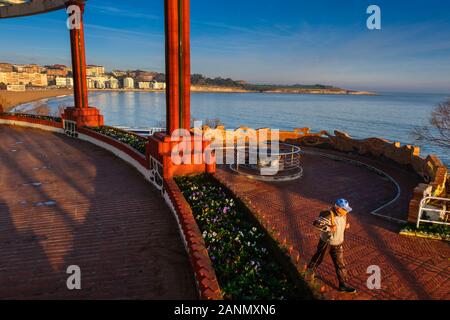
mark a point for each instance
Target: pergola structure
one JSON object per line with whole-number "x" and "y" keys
{"x": 19, "y": 8}
{"x": 177, "y": 35}
{"x": 81, "y": 113}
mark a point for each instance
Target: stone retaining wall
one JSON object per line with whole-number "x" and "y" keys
{"x": 431, "y": 169}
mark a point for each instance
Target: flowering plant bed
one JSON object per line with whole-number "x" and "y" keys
{"x": 133, "y": 140}
{"x": 30, "y": 116}
{"x": 240, "y": 250}
{"x": 436, "y": 232}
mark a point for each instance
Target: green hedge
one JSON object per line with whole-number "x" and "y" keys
{"x": 136, "y": 142}
{"x": 432, "y": 231}
{"x": 32, "y": 116}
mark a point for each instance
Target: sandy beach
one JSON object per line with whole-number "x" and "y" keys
{"x": 10, "y": 99}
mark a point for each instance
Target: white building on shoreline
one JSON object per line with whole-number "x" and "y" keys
{"x": 64, "y": 82}
{"x": 144, "y": 85}
{"x": 112, "y": 83}
{"x": 128, "y": 83}
{"x": 158, "y": 85}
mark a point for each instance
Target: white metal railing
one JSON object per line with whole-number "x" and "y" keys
{"x": 142, "y": 131}
{"x": 439, "y": 213}
{"x": 280, "y": 163}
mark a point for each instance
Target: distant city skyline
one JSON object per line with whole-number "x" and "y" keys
{"x": 258, "y": 41}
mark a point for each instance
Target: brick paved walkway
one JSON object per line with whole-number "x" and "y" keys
{"x": 411, "y": 268}
{"x": 88, "y": 208}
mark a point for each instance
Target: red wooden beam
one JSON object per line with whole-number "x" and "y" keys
{"x": 82, "y": 114}
{"x": 79, "y": 59}
{"x": 186, "y": 63}
{"x": 172, "y": 65}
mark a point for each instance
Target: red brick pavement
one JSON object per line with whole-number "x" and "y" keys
{"x": 411, "y": 268}
{"x": 105, "y": 218}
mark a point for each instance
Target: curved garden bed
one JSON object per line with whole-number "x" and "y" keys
{"x": 247, "y": 262}
{"x": 435, "y": 232}
{"x": 30, "y": 116}
{"x": 133, "y": 140}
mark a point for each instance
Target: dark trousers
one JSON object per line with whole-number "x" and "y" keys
{"x": 337, "y": 255}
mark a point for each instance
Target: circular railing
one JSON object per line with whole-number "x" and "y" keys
{"x": 269, "y": 162}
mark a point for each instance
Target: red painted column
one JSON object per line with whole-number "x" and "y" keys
{"x": 172, "y": 65}
{"x": 79, "y": 59}
{"x": 186, "y": 63}
{"x": 178, "y": 90}
{"x": 82, "y": 113}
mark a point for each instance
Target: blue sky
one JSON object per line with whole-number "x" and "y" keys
{"x": 263, "y": 41}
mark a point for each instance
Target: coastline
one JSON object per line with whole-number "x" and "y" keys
{"x": 324, "y": 92}
{"x": 213, "y": 89}
{"x": 11, "y": 99}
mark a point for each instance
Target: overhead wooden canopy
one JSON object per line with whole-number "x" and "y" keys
{"x": 19, "y": 8}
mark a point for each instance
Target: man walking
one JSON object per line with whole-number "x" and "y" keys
{"x": 333, "y": 223}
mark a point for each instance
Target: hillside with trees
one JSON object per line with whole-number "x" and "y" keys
{"x": 200, "y": 81}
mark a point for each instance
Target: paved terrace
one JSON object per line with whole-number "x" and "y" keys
{"x": 411, "y": 268}
{"x": 64, "y": 202}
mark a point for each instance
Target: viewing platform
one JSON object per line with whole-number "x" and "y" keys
{"x": 76, "y": 192}
{"x": 64, "y": 201}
